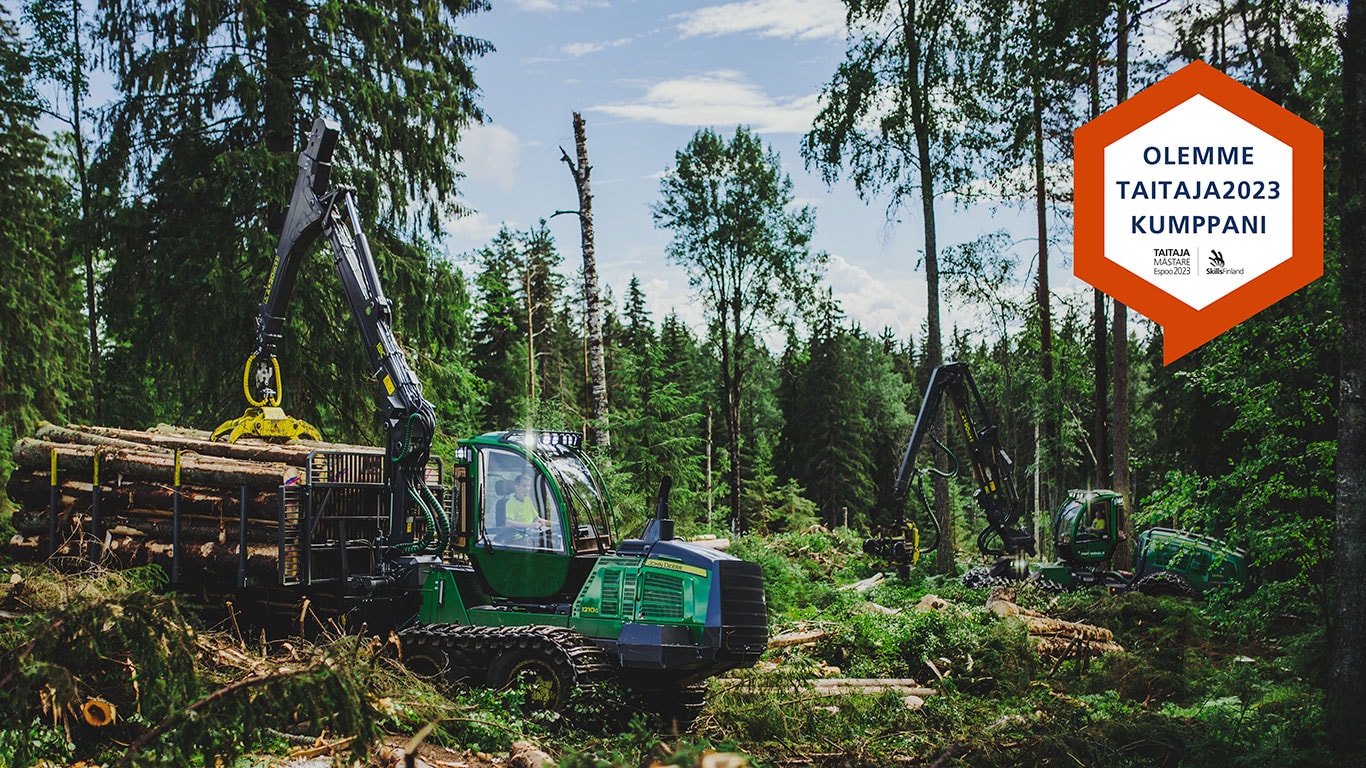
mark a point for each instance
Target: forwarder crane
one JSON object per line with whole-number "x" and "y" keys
{"x": 995, "y": 494}
{"x": 409, "y": 420}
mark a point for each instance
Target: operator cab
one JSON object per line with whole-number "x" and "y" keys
{"x": 534, "y": 515}
{"x": 1086, "y": 529}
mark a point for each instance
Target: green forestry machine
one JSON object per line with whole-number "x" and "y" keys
{"x": 509, "y": 571}
{"x": 1087, "y": 528}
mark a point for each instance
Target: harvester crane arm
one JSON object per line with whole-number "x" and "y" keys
{"x": 996, "y": 493}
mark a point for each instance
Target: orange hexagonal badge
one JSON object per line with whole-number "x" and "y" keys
{"x": 1198, "y": 203}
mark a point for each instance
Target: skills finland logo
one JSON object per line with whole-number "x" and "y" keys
{"x": 1217, "y": 265}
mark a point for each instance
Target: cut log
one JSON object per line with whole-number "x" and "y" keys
{"x": 1042, "y": 625}
{"x": 149, "y": 465}
{"x": 796, "y": 638}
{"x": 30, "y": 489}
{"x": 870, "y": 686}
{"x": 206, "y": 560}
{"x": 931, "y": 603}
{"x": 524, "y": 754}
{"x": 1050, "y": 636}
{"x": 156, "y": 524}
{"x": 1057, "y": 646}
{"x": 170, "y": 439}
{"x": 72, "y": 435}
{"x": 865, "y": 584}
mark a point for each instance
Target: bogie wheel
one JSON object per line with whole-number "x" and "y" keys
{"x": 1046, "y": 585}
{"x": 427, "y": 662}
{"x": 546, "y": 675}
{"x": 1165, "y": 583}
{"x": 980, "y": 578}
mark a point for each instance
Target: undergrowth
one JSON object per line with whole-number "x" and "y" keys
{"x": 1221, "y": 682}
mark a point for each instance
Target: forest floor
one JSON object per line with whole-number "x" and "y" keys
{"x": 870, "y": 671}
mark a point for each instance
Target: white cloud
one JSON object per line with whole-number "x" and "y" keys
{"x": 718, "y": 98}
{"x": 490, "y": 154}
{"x": 878, "y": 301}
{"x": 471, "y": 231}
{"x": 787, "y": 19}
{"x": 672, "y": 294}
{"x": 550, "y": 6}
{"x": 583, "y": 49}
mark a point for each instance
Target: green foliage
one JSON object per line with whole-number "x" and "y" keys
{"x": 110, "y": 636}
{"x": 801, "y": 568}
{"x": 1255, "y": 722}
{"x": 42, "y": 369}
{"x": 514, "y": 346}
{"x": 131, "y": 649}
{"x": 845, "y": 423}
{"x": 213, "y": 97}
{"x": 6, "y": 467}
{"x": 895, "y": 87}
{"x": 397, "y": 76}
{"x": 35, "y": 744}
{"x": 1263, "y": 474}
{"x": 746, "y": 247}
{"x": 658, "y": 416}
{"x": 776, "y": 715}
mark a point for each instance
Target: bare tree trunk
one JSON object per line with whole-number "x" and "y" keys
{"x": 84, "y": 240}
{"x": 1124, "y": 553}
{"x": 597, "y": 366}
{"x": 945, "y": 552}
{"x": 1099, "y": 338}
{"x": 1347, "y": 629}
{"x": 711, "y": 450}
{"x": 732, "y": 362}
{"x": 530, "y": 343}
{"x": 1048, "y": 441}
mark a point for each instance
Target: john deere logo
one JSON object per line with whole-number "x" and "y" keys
{"x": 1217, "y": 265}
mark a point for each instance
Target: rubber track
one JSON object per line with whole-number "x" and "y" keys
{"x": 475, "y": 648}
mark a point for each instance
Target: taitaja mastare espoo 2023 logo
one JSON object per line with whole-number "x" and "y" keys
{"x": 1198, "y": 203}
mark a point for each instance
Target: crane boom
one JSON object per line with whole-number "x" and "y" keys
{"x": 316, "y": 208}
{"x": 995, "y": 494}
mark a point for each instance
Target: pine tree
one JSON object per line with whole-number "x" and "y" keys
{"x": 499, "y": 348}
{"x": 61, "y": 56}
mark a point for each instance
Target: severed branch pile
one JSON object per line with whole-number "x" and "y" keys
{"x": 136, "y": 475}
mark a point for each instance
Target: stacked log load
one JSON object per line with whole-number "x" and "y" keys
{"x": 136, "y": 475}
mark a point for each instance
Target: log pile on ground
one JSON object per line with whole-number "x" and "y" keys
{"x": 135, "y": 473}
{"x": 1054, "y": 638}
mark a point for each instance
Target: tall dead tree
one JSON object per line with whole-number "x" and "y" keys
{"x": 592, "y": 300}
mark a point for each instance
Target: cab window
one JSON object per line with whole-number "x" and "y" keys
{"x": 519, "y": 509}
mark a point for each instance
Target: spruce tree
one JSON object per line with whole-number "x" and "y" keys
{"x": 213, "y": 101}
{"x": 42, "y": 371}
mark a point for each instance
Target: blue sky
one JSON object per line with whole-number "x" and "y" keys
{"x": 646, "y": 74}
